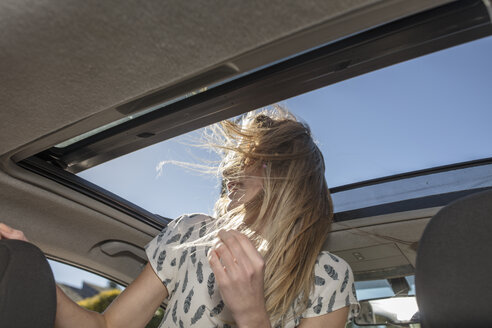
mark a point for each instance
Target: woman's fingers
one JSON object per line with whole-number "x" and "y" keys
{"x": 239, "y": 256}
{"x": 217, "y": 267}
{"x": 5, "y": 228}
{"x": 225, "y": 257}
{"x": 238, "y": 270}
{"x": 236, "y": 251}
{"x": 7, "y": 232}
{"x": 249, "y": 249}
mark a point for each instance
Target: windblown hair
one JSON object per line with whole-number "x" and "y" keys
{"x": 293, "y": 212}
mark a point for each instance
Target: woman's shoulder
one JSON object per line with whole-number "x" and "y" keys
{"x": 332, "y": 266}
{"x": 333, "y": 286}
{"x": 191, "y": 224}
{"x": 185, "y": 228}
{"x": 193, "y": 219}
{"x": 326, "y": 257}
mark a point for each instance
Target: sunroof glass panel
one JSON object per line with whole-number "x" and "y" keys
{"x": 427, "y": 112}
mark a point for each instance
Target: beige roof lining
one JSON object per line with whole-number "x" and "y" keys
{"x": 67, "y": 65}
{"x": 55, "y": 108}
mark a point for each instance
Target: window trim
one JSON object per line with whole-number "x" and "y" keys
{"x": 93, "y": 191}
{"x": 412, "y": 174}
{"x": 102, "y": 195}
{"x": 437, "y": 200}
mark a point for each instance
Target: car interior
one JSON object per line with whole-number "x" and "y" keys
{"x": 86, "y": 82}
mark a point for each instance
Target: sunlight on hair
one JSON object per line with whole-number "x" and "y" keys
{"x": 289, "y": 219}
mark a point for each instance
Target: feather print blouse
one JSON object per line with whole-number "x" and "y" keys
{"x": 194, "y": 299}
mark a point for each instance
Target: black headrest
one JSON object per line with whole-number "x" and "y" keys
{"x": 27, "y": 286}
{"x": 453, "y": 274}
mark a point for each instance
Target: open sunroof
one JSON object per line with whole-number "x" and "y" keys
{"x": 380, "y": 47}
{"x": 369, "y": 51}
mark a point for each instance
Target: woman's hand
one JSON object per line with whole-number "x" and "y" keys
{"x": 239, "y": 269}
{"x": 7, "y": 232}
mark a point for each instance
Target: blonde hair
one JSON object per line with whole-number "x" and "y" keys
{"x": 293, "y": 211}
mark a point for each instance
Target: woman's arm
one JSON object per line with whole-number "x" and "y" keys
{"x": 335, "y": 319}
{"x": 134, "y": 307}
{"x": 138, "y": 302}
{"x": 69, "y": 314}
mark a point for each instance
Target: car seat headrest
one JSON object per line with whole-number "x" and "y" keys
{"x": 27, "y": 286}
{"x": 453, "y": 274}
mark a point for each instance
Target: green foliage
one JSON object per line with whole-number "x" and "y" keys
{"x": 101, "y": 301}
{"x": 156, "y": 319}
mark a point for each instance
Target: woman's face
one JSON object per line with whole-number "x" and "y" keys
{"x": 244, "y": 188}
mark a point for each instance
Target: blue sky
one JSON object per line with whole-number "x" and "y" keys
{"x": 427, "y": 112}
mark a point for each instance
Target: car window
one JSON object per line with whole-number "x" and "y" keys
{"x": 373, "y": 289}
{"x": 427, "y": 112}
{"x": 74, "y": 277}
{"x": 89, "y": 290}
{"x": 379, "y": 288}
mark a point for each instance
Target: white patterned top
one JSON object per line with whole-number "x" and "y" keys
{"x": 194, "y": 299}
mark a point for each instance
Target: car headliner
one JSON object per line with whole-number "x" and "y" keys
{"x": 66, "y": 61}
{"x": 67, "y": 65}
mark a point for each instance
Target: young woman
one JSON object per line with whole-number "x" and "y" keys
{"x": 259, "y": 262}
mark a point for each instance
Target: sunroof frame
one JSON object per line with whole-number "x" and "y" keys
{"x": 405, "y": 39}
{"x": 414, "y": 36}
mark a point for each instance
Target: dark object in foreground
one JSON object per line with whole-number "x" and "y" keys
{"x": 27, "y": 286}
{"x": 453, "y": 272}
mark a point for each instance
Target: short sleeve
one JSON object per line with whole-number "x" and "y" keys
{"x": 333, "y": 287}
{"x": 162, "y": 252}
